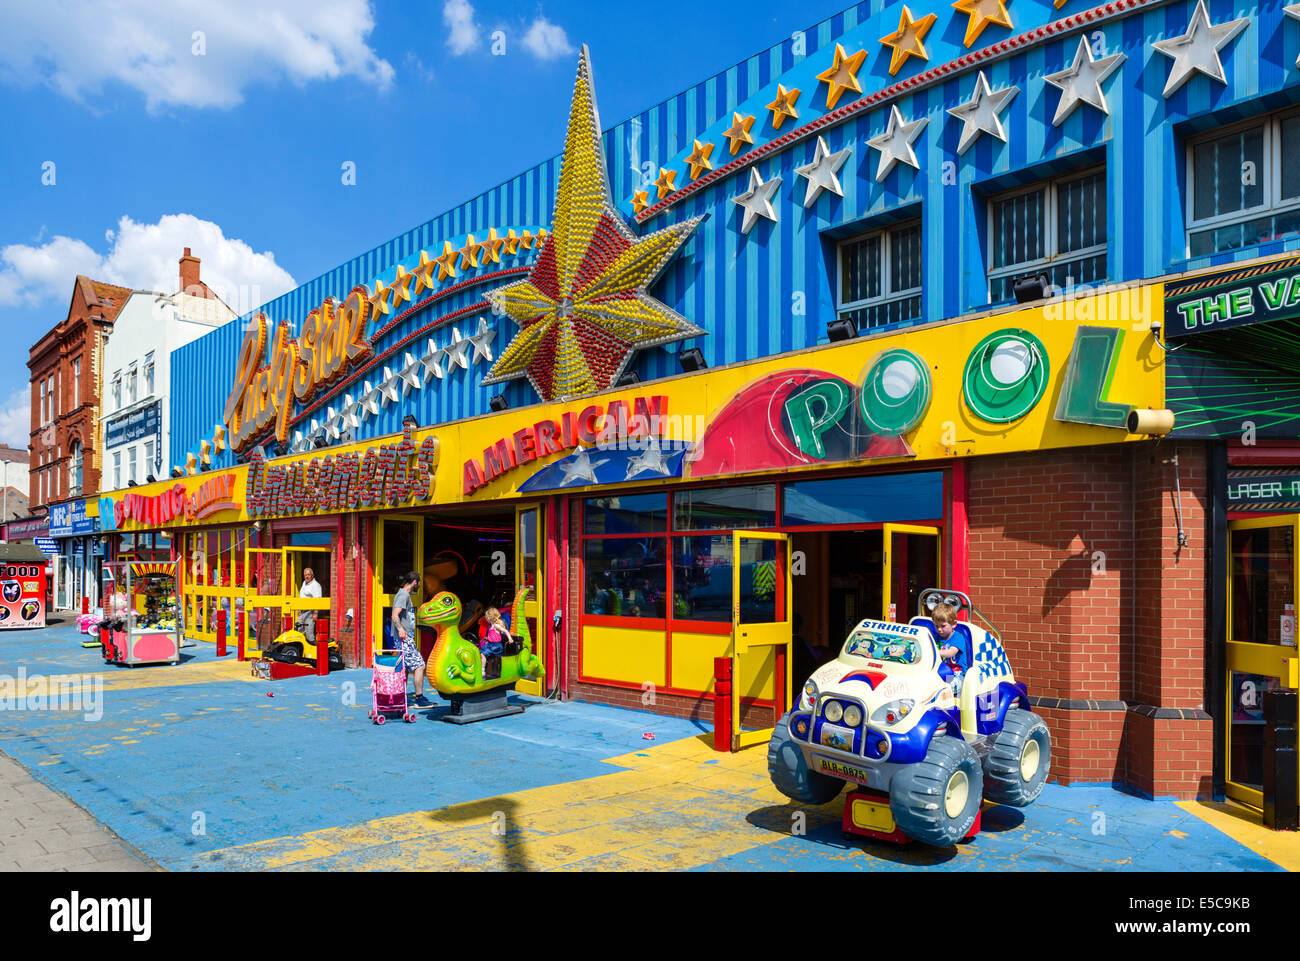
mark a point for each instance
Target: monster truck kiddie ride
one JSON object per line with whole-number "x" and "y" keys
{"x": 884, "y": 715}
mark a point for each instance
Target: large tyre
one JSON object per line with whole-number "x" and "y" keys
{"x": 1016, "y": 767}
{"x": 789, "y": 771}
{"x": 936, "y": 799}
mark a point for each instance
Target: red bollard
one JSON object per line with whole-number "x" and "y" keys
{"x": 239, "y": 636}
{"x": 85, "y": 605}
{"x": 722, "y": 704}
{"x": 221, "y": 632}
{"x": 322, "y": 656}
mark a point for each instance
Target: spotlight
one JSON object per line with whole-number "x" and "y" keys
{"x": 131, "y": 483}
{"x": 628, "y": 379}
{"x": 1030, "y": 287}
{"x": 178, "y": 472}
{"x": 842, "y": 329}
{"x": 150, "y": 479}
{"x": 691, "y": 360}
{"x": 205, "y": 467}
{"x": 499, "y": 403}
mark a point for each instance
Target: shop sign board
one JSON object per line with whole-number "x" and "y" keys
{"x": 134, "y": 426}
{"x": 1233, "y": 297}
{"x": 70, "y": 520}
{"x": 27, "y": 527}
{"x": 22, "y": 595}
{"x": 1263, "y": 490}
{"x": 47, "y": 546}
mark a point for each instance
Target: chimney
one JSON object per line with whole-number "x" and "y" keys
{"x": 190, "y": 283}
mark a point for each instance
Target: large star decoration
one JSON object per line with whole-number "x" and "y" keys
{"x": 1081, "y": 81}
{"x": 906, "y": 41}
{"x": 583, "y": 310}
{"x": 895, "y": 143}
{"x": 1198, "y": 49}
{"x": 821, "y": 173}
{"x": 980, "y": 14}
{"x": 757, "y": 200}
{"x": 979, "y": 114}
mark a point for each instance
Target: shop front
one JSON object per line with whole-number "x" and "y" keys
{"x": 80, "y": 552}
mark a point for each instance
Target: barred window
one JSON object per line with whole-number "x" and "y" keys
{"x": 880, "y": 277}
{"x": 1056, "y": 227}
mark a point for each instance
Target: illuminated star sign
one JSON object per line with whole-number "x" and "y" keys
{"x": 1198, "y": 49}
{"x": 580, "y": 467}
{"x": 650, "y": 459}
{"x": 757, "y": 200}
{"x": 895, "y": 143}
{"x": 979, "y": 114}
{"x": 981, "y": 13}
{"x": 1081, "y": 81}
{"x": 584, "y": 311}
{"x": 906, "y": 40}
{"x": 822, "y": 172}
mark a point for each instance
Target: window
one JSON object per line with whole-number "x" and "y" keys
{"x": 76, "y": 383}
{"x": 148, "y": 456}
{"x": 148, "y": 374}
{"x": 131, "y": 385}
{"x": 74, "y": 471}
{"x": 725, "y": 508}
{"x": 880, "y": 277}
{"x": 44, "y": 417}
{"x": 117, "y": 390}
{"x": 117, "y": 471}
{"x": 130, "y": 464}
{"x": 1057, "y": 227}
{"x": 1245, "y": 186}
{"x": 49, "y": 389}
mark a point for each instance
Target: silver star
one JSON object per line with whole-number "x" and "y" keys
{"x": 333, "y": 427}
{"x": 482, "y": 342}
{"x": 821, "y": 173}
{"x": 432, "y": 362}
{"x": 410, "y": 375}
{"x": 581, "y": 467}
{"x": 1293, "y": 12}
{"x": 895, "y": 143}
{"x": 757, "y": 200}
{"x": 1198, "y": 49}
{"x": 979, "y": 114}
{"x": 652, "y": 459}
{"x": 299, "y": 442}
{"x": 370, "y": 398}
{"x": 350, "y": 414}
{"x": 390, "y": 388}
{"x": 1081, "y": 81}
{"x": 456, "y": 351}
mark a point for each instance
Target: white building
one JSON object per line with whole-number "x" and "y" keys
{"x": 134, "y": 435}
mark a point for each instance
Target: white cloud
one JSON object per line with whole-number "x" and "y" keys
{"x": 462, "y": 31}
{"x": 187, "y": 52}
{"x": 144, "y": 257}
{"x": 546, "y": 40}
{"x": 16, "y": 418}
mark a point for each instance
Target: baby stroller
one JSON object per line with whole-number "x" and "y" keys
{"x": 388, "y": 686}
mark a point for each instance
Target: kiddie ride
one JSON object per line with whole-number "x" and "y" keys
{"x": 476, "y": 690}
{"x": 884, "y": 716}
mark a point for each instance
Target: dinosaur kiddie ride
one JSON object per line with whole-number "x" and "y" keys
{"x": 884, "y": 716}
{"x": 476, "y": 690}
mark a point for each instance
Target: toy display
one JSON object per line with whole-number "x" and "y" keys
{"x": 388, "y": 687}
{"x": 924, "y": 743}
{"x": 140, "y": 624}
{"x": 455, "y": 667}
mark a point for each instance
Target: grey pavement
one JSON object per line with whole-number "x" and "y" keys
{"x": 41, "y": 830}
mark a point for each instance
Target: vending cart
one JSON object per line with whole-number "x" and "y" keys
{"x": 22, "y": 586}
{"x": 140, "y": 624}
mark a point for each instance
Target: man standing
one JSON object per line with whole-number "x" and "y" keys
{"x": 404, "y": 630}
{"x": 307, "y": 619}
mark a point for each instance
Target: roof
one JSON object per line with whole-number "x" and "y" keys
{"x": 97, "y": 293}
{"x": 23, "y": 552}
{"x": 15, "y": 455}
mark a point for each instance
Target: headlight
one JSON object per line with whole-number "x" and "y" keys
{"x": 852, "y": 715}
{"x": 809, "y": 697}
{"x": 893, "y": 712}
{"x": 833, "y": 711}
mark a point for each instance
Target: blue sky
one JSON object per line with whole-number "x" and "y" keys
{"x": 223, "y": 126}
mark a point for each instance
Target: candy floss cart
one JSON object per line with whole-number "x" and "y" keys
{"x": 140, "y": 625}
{"x": 22, "y": 586}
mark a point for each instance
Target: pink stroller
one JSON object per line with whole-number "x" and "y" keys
{"x": 388, "y": 687}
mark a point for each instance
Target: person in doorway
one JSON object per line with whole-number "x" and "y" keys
{"x": 404, "y": 629}
{"x": 307, "y": 619}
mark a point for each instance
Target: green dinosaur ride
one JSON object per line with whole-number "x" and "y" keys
{"x": 454, "y": 664}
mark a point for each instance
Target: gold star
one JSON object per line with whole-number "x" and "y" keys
{"x": 205, "y": 451}
{"x": 401, "y": 285}
{"x": 739, "y": 132}
{"x": 492, "y": 247}
{"x": 512, "y": 243}
{"x": 447, "y": 262}
{"x": 906, "y": 40}
{"x": 379, "y": 299}
{"x": 640, "y": 200}
{"x": 541, "y": 236}
{"x": 191, "y": 464}
{"x": 783, "y": 106}
{"x": 698, "y": 161}
{"x": 665, "y": 182}
{"x": 842, "y": 75}
{"x": 423, "y": 273}
{"x": 469, "y": 253}
{"x": 219, "y": 439}
{"x": 982, "y": 13}
{"x": 526, "y": 240}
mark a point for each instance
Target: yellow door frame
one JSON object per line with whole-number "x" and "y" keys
{"x": 294, "y": 603}
{"x": 254, "y": 599}
{"x": 534, "y": 606}
{"x": 887, "y": 550}
{"x": 749, "y": 637}
{"x": 1266, "y": 660}
{"x": 378, "y": 590}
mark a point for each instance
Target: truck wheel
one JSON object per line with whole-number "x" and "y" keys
{"x": 789, "y": 771}
{"x": 1016, "y": 767}
{"x": 936, "y": 799}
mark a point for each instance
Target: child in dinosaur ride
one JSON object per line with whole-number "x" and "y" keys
{"x": 494, "y": 640}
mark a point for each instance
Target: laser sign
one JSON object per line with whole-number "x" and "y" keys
{"x": 1233, "y": 297}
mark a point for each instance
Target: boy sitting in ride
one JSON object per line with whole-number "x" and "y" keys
{"x": 952, "y": 666}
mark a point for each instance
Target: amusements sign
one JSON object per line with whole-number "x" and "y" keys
{"x": 1233, "y": 298}
{"x": 22, "y": 595}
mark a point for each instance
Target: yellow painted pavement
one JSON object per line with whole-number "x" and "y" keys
{"x": 127, "y": 679}
{"x": 1245, "y": 826}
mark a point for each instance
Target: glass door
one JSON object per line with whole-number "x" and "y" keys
{"x": 913, "y": 561}
{"x": 1262, "y": 598}
{"x": 265, "y": 580}
{"x": 530, "y": 567}
{"x": 398, "y": 550}
{"x": 760, "y": 626}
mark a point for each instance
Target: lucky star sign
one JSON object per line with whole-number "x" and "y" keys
{"x": 583, "y": 310}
